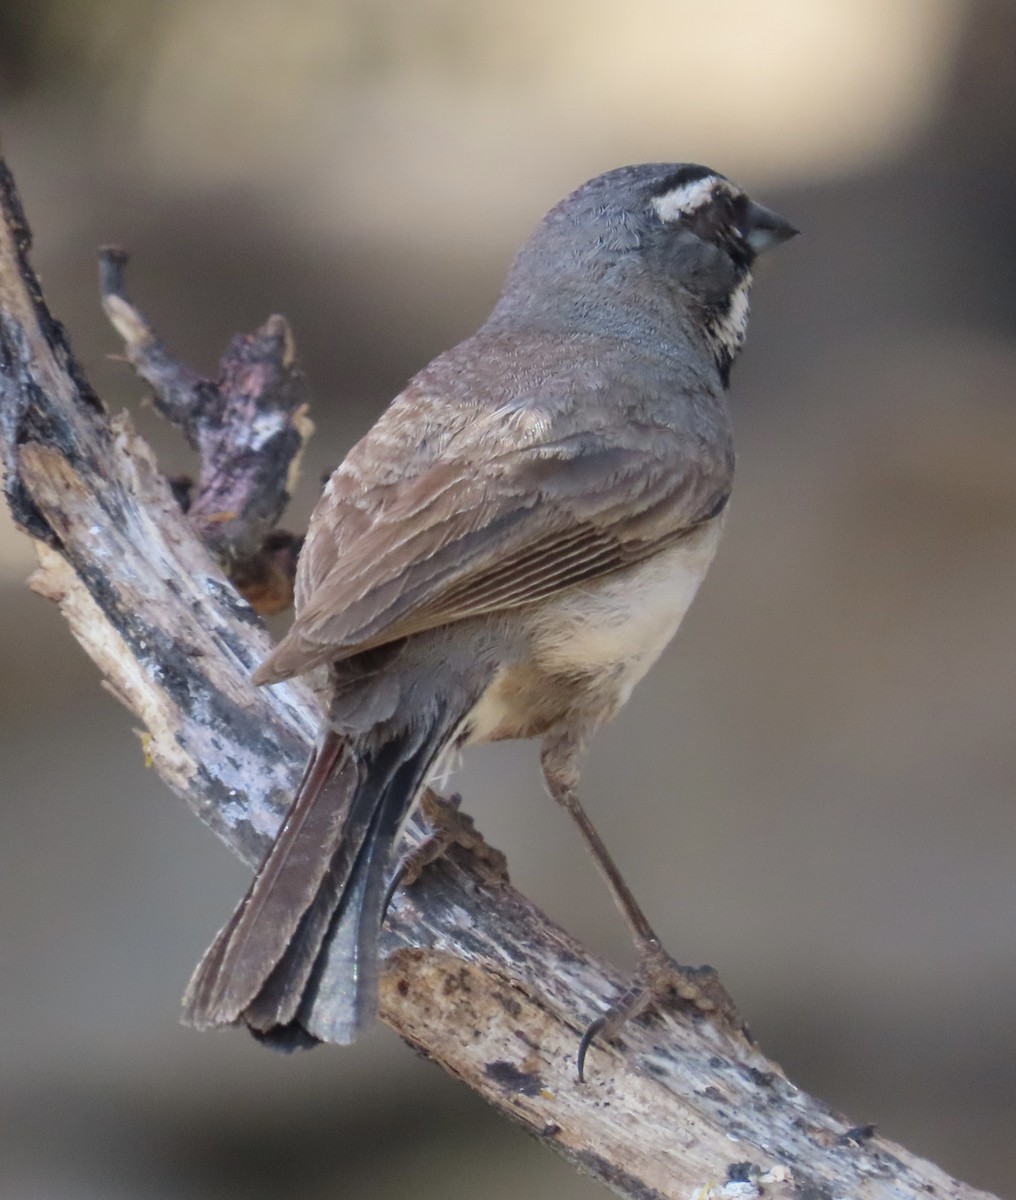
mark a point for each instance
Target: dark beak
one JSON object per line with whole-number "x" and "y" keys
{"x": 764, "y": 229}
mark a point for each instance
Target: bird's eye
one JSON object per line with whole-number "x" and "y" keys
{"x": 739, "y": 210}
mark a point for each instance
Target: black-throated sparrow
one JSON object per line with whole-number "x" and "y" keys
{"x": 504, "y": 555}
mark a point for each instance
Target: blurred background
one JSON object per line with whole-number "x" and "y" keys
{"x": 814, "y": 790}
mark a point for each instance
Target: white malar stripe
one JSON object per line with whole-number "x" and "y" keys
{"x": 731, "y": 329}
{"x": 688, "y": 197}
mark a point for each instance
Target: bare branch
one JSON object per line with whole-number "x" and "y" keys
{"x": 477, "y": 978}
{"x": 249, "y": 428}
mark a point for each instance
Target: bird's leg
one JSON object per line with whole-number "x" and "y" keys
{"x": 448, "y": 826}
{"x": 659, "y": 978}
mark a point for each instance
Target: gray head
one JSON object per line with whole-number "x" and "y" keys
{"x": 650, "y": 253}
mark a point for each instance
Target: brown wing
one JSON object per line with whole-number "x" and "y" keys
{"x": 454, "y": 542}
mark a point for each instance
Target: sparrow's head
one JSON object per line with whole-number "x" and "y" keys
{"x": 639, "y": 242}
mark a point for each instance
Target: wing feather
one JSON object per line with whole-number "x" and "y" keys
{"x": 449, "y": 543}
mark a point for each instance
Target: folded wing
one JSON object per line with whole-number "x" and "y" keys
{"x": 451, "y": 541}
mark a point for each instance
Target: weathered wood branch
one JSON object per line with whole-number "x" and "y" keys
{"x": 249, "y": 427}
{"x": 477, "y": 978}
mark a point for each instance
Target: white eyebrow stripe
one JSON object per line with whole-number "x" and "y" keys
{"x": 687, "y": 197}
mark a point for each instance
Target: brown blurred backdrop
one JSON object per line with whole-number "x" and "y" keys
{"x": 813, "y": 790}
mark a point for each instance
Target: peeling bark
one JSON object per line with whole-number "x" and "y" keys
{"x": 477, "y": 978}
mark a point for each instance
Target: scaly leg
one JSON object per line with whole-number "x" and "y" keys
{"x": 448, "y": 827}
{"x": 658, "y": 977}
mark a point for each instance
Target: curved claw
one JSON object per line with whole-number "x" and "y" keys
{"x": 393, "y": 887}
{"x": 447, "y": 826}
{"x": 587, "y": 1040}
{"x": 659, "y": 981}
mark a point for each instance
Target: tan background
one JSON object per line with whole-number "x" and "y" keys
{"x": 814, "y": 789}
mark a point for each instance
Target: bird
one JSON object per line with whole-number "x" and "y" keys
{"x": 505, "y": 554}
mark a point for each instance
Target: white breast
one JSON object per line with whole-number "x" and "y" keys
{"x": 585, "y": 650}
{"x": 621, "y": 623}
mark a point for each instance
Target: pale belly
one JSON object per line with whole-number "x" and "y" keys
{"x": 593, "y": 644}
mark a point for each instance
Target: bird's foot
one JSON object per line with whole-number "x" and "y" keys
{"x": 661, "y": 982}
{"x": 448, "y": 826}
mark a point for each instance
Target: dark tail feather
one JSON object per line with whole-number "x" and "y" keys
{"x": 257, "y": 936}
{"x": 348, "y": 965}
{"x": 311, "y": 921}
